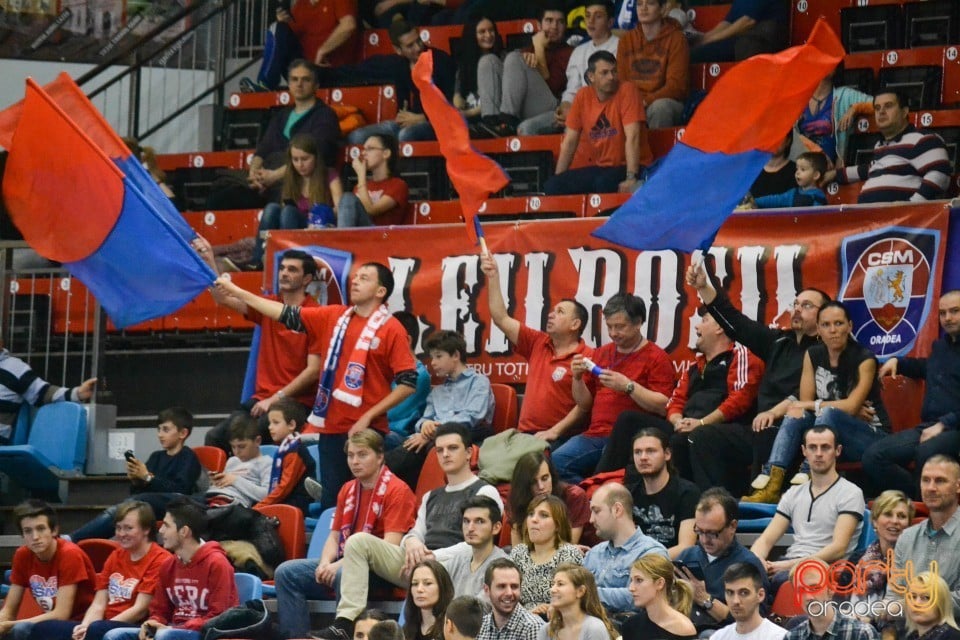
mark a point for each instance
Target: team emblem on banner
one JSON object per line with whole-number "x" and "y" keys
{"x": 888, "y": 285}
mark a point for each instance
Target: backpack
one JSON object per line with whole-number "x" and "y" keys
{"x": 250, "y": 620}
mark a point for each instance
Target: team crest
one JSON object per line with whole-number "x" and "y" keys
{"x": 353, "y": 378}
{"x": 558, "y": 374}
{"x": 888, "y": 283}
{"x": 323, "y": 399}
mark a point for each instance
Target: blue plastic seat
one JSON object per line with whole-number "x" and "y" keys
{"x": 56, "y": 449}
{"x": 249, "y": 586}
{"x": 268, "y": 450}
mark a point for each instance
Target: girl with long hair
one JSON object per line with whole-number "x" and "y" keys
{"x": 534, "y": 476}
{"x": 664, "y": 602}
{"x": 307, "y": 184}
{"x": 545, "y": 546}
{"x": 380, "y": 198}
{"x": 429, "y": 593}
{"x": 576, "y": 612}
{"x": 479, "y": 60}
{"x": 929, "y": 609}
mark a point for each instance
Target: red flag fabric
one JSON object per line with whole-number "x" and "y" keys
{"x": 474, "y": 175}
{"x": 757, "y": 102}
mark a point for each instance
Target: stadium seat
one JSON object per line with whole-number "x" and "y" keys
{"x": 921, "y": 84}
{"x": 871, "y": 28}
{"x": 785, "y": 604}
{"x": 867, "y": 534}
{"x": 432, "y": 476}
{"x": 934, "y": 22}
{"x": 212, "y": 458}
{"x": 902, "y": 397}
{"x": 291, "y": 529}
{"x": 505, "y": 413}
{"x": 249, "y": 586}
{"x": 268, "y": 450}
{"x": 98, "y": 550}
{"x": 21, "y": 430}
{"x": 55, "y": 450}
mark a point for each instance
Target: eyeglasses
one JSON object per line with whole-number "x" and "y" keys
{"x": 365, "y": 149}
{"x": 709, "y": 535}
{"x": 806, "y": 305}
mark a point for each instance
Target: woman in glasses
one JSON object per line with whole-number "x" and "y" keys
{"x": 380, "y": 197}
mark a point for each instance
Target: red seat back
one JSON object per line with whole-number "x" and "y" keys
{"x": 292, "y": 532}
{"x": 98, "y": 550}
{"x": 505, "y": 413}
{"x": 212, "y": 458}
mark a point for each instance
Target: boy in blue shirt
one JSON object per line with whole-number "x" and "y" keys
{"x": 810, "y": 169}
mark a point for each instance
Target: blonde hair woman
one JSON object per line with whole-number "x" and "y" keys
{"x": 930, "y": 609}
{"x": 664, "y": 602}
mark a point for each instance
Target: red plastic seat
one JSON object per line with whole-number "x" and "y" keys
{"x": 98, "y": 550}
{"x": 505, "y": 414}
{"x": 212, "y": 458}
{"x": 785, "y": 604}
{"x": 291, "y": 529}
{"x": 433, "y": 477}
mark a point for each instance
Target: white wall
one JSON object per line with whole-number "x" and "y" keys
{"x": 162, "y": 91}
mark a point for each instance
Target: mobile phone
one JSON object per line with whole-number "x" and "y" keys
{"x": 694, "y": 569}
{"x": 129, "y": 455}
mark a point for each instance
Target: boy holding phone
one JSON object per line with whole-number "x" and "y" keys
{"x": 703, "y": 564}
{"x": 173, "y": 469}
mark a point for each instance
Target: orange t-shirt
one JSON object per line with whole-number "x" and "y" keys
{"x": 123, "y": 579}
{"x": 601, "y": 126}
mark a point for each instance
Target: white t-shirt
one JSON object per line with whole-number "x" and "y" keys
{"x": 766, "y": 631}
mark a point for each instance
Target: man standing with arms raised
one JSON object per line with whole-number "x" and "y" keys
{"x": 366, "y": 349}
{"x": 548, "y": 409}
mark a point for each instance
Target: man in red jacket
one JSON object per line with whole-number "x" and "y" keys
{"x": 195, "y": 585}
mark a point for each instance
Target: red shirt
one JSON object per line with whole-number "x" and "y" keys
{"x": 389, "y": 355}
{"x": 123, "y": 579}
{"x": 550, "y": 398}
{"x": 69, "y": 565}
{"x": 649, "y": 366}
{"x": 397, "y": 189}
{"x": 601, "y": 126}
{"x": 313, "y": 24}
{"x": 283, "y": 354}
{"x": 399, "y": 508}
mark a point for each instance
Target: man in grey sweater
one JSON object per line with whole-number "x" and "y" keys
{"x": 467, "y": 561}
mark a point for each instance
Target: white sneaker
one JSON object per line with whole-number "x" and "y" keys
{"x": 314, "y": 488}
{"x": 800, "y": 478}
{"x": 760, "y": 481}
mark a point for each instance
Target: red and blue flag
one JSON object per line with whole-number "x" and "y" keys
{"x": 79, "y": 197}
{"x": 733, "y": 133}
{"x": 474, "y": 175}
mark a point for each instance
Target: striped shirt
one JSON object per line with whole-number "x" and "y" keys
{"x": 18, "y": 384}
{"x": 911, "y": 166}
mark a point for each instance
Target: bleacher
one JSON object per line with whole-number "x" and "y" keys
{"x": 905, "y": 44}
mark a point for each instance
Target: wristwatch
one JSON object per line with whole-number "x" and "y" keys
{"x": 629, "y": 388}
{"x": 708, "y": 603}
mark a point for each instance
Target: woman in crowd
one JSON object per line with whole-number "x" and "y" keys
{"x": 534, "y": 476}
{"x": 428, "y": 595}
{"x": 309, "y": 190}
{"x": 664, "y": 602}
{"x": 380, "y": 198}
{"x": 116, "y": 605}
{"x": 891, "y": 513}
{"x": 838, "y": 388}
{"x": 929, "y": 609}
{"x": 545, "y": 546}
{"x": 479, "y": 59}
{"x": 829, "y": 115}
{"x": 576, "y": 612}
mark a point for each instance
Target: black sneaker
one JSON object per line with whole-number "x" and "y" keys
{"x": 341, "y": 629}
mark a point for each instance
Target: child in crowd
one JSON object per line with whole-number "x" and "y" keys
{"x": 172, "y": 470}
{"x": 308, "y": 186}
{"x": 810, "y": 169}
{"x": 246, "y": 476}
{"x": 465, "y": 397}
{"x": 292, "y": 464}
{"x": 54, "y": 576}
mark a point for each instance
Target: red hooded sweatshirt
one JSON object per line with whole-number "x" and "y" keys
{"x": 190, "y": 594}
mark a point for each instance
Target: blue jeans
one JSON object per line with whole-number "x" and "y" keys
{"x": 585, "y": 180}
{"x": 164, "y": 634}
{"x": 413, "y": 133}
{"x": 578, "y": 457}
{"x": 352, "y": 213}
{"x": 854, "y": 434}
{"x": 334, "y": 472}
{"x": 63, "y": 629}
{"x": 286, "y": 48}
{"x": 296, "y": 583}
{"x": 21, "y": 631}
{"x": 275, "y": 217}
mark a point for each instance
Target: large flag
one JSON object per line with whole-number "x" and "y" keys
{"x": 80, "y": 197}
{"x": 474, "y": 175}
{"x": 733, "y": 133}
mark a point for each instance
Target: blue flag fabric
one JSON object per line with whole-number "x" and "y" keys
{"x": 87, "y": 202}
